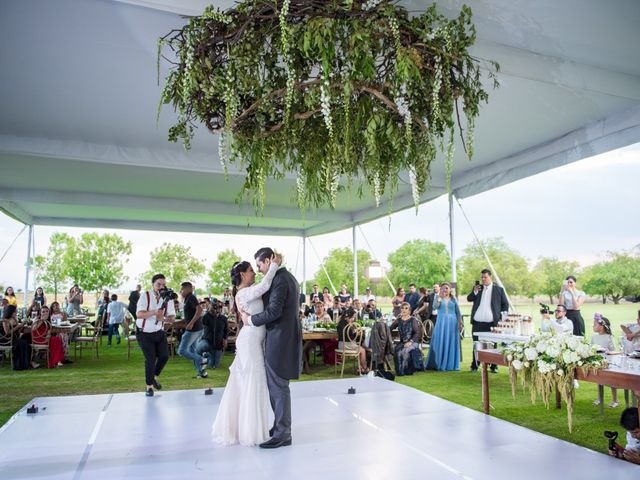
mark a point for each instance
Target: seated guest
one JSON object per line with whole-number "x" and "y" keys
{"x": 357, "y": 306}
{"x": 335, "y": 312}
{"x": 215, "y": 334}
{"x": 560, "y": 324}
{"x": 631, "y": 337}
{"x": 629, "y": 421}
{"x": 41, "y": 335}
{"x": 10, "y": 330}
{"x": 347, "y": 319}
{"x": 58, "y": 316}
{"x": 372, "y": 311}
{"x": 408, "y": 356}
{"x": 320, "y": 316}
{"x": 34, "y": 310}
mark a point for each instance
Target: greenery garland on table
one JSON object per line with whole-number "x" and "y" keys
{"x": 325, "y": 89}
{"x": 548, "y": 362}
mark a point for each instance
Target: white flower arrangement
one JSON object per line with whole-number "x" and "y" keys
{"x": 548, "y": 362}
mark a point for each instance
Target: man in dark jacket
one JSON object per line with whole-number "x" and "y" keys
{"x": 216, "y": 332}
{"x": 489, "y": 300}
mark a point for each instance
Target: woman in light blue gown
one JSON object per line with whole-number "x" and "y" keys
{"x": 444, "y": 352}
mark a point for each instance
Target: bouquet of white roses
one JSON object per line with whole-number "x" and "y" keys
{"x": 548, "y": 362}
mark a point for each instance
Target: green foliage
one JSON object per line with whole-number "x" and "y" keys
{"x": 96, "y": 261}
{"x": 615, "y": 278}
{"x": 421, "y": 262}
{"x": 326, "y": 86}
{"x": 549, "y": 273}
{"x": 510, "y": 265}
{"x": 51, "y": 271}
{"x": 176, "y": 263}
{"x": 339, "y": 266}
{"x": 218, "y": 277}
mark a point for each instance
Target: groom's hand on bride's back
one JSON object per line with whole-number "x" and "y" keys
{"x": 244, "y": 316}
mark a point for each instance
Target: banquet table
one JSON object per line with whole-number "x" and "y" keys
{"x": 623, "y": 373}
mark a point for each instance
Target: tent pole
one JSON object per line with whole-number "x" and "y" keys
{"x": 28, "y": 265}
{"x": 304, "y": 264}
{"x": 452, "y": 246}
{"x": 355, "y": 264}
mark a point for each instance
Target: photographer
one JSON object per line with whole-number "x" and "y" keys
{"x": 560, "y": 323}
{"x": 154, "y": 308}
{"x": 628, "y": 421}
{"x": 75, "y": 299}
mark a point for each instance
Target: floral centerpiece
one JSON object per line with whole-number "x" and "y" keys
{"x": 548, "y": 362}
{"x": 337, "y": 93}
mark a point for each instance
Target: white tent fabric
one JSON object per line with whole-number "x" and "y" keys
{"x": 79, "y": 145}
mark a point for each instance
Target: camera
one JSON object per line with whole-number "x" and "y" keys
{"x": 545, "y": 309}
{"x": 167, "y": 294}
{"x": 613, "y": 446}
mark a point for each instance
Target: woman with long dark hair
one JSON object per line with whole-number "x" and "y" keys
{"x": 444, "y": 351}
{"x": 245, "y": 415}
{"x": 572, "y": 299}
{"x": 10, "y": 296}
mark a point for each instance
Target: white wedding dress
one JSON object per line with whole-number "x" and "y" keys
{"x": 244, "y": 415}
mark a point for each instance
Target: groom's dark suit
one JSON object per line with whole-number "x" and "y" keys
{"x": 283, "y": 346}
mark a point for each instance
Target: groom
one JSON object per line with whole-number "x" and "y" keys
{"x": 282, "y": 345}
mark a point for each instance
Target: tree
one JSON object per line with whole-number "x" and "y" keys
{"x": 510, "y": 266}
{"x": 421, "y": 262}
{"x": 219, "y": 273}
{"x": 614, "y": 278}
{"x": 339, "y": 266}
{"x": 550, "y": 273}
{"x": 176, "y": 263}
{"x": 51, "y": 271}
{"x": 97, "y": 261}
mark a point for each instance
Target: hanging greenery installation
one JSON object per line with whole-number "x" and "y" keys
{"x": 339, "y": 94}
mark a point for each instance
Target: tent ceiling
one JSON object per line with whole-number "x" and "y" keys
{"x": 79, "y": 144}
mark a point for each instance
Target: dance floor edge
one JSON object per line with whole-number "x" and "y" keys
{"x": 386, "y": 430}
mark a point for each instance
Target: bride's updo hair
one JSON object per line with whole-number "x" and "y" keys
{"x": 236, "y": 278}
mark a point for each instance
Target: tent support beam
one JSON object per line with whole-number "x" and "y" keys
{"x": 355, "y": 263}
{"x": 452, "y": 246}
{"x": 28, "y": 265}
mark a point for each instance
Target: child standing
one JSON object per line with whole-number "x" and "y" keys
{"x": 602, "y": 338}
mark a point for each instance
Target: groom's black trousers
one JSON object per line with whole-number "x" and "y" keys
{"x": 280, "y": 398}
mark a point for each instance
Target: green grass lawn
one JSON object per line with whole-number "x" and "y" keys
{"x": 114, "y": 373}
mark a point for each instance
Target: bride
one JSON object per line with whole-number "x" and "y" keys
{"x": 245, "y": 414}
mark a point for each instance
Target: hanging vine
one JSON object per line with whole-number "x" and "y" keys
{"x": 327, "y": 90}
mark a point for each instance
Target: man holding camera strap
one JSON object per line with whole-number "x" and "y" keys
{"x": 151, "y": 313}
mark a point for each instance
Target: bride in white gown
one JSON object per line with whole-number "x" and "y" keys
{"x": 244, "y": 415}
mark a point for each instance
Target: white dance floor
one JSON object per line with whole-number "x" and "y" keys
{"x": 384, "y": 431}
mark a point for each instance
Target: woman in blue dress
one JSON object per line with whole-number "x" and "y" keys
{"x": 444, "y": 352}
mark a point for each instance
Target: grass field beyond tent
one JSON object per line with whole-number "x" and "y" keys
{"x": 113, "y": 373}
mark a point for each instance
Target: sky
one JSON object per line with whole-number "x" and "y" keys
{"x": 575, "y": 212}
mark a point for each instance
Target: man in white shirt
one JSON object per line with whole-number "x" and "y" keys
{"x": 560, "y": 323}
{"x": 115, "y": 317}
{"x": 152, "y": 313}
{"x": 489, "y": 300}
